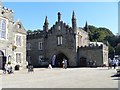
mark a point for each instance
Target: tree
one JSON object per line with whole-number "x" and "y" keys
{"x": 99, "y": 34}
{"x": 104, "y": 35}
{"x": 117, "y": 50}
{"x": 29, "y": 31}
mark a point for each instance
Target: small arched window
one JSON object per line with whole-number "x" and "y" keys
{"x": 19, "y": 25}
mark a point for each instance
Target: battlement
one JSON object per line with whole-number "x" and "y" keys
{"x": 91, "y": 47}
{"x": 35, "y": 34}
{"x": 5, "y": 9}
{"x": 8, "y": 13}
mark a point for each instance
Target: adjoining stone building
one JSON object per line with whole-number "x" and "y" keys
{"x": 63, "y": 41}
{"x": 12, "y": 39}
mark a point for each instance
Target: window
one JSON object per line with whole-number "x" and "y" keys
{"x": 29, "y": 59}
{"x": 2, "y": 29}
{"x": 59, "y": 28}
{"x": 28, "y": 46}
{"x": 39, "y": 59}
{"x": 59, "y": 42}
{"x": 19, "y": 26}
{"x": 18, "y": 40}
{"x": 18, "y": 57}
{"x": 40, "y": 45}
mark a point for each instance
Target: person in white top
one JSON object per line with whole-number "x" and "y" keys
{"x": 50, "y": 67}
{"x": 114, "y": 63}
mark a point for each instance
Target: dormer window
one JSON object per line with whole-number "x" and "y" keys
{"x": 19, "y": 26}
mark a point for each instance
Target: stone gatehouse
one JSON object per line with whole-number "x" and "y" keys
{"x": 63, "y": 41}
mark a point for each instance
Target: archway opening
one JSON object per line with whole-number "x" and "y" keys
{"x": 83, "y": 62}
{"x": 59, "y": 60}
{"x": 2, "y": 60}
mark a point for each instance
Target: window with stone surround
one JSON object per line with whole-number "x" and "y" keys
{"x": 40, "y": 46}
{"x": 18, "y": 40}
{"x": 18, "y": 57}
{"x": 59, "y": 40}
{"x": 19, "y": 25}
{"x": 28, "y": 46}
{"x": 59, "y": 28}
{"x": 40, "y": 58}
{"x": 2, "y": 29}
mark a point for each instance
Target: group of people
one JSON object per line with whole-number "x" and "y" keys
{"x": 8, "y": 68}
{"x": 64, "y": 64}
{"x": 92, "y": 63}
{"x": 113, "y": 63}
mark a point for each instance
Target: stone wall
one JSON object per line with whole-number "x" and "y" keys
{"x": 72, "y": 38}
{"x": 34, "y": 52}
{"x": 6, "y": 45}
{"x": 94, "y": 53}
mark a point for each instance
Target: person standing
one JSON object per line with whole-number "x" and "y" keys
{"x": 5, "y": 69}
{"x": 114, "y": 63}
{"x": 49, "y": 66}
{"x": 63, "y": 62}
{"x": 53, "y": 60}
{"x": 110, "y": 63}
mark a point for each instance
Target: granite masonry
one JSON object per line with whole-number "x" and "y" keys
{"x": 12, "y": 39}
{"x": 62, "y": 41}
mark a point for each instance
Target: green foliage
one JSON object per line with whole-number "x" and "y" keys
{"x": 99, "y": 34}
{"x": 29, "y": 31}
{"x": 111, "y": 49}
{"x": 9, "y": 62}
{"x": 104, "y": 35}
{"x": 118, "y": 49}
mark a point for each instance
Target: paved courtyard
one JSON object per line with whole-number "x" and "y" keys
{"x": 61, "y": 78}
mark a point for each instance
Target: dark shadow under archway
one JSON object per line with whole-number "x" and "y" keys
{"x": 59, "y": 59}
{"x": 2, "y": 60}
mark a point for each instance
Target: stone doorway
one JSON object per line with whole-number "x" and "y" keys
{"x": 83, "y": 62}
{"x": 59, "y": 59}
{"x": 2, "y": 60}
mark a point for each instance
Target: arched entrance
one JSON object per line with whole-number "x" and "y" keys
{"x": 2, "y": 60}
{"x": 59, "y": 59}
{"x": 83, "y": 62}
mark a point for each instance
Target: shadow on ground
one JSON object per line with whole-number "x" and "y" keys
{"x": 117, "y": 76}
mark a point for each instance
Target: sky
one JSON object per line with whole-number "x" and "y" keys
{"x": 99, "y": 14}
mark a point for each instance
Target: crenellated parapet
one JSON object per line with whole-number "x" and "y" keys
{"x": 8, "y": 13}
{"x": 91, "y": 47}
{"x": 35, "y": 34}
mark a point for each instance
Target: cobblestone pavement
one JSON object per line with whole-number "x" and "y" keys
{"x": 61, "y": 78}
